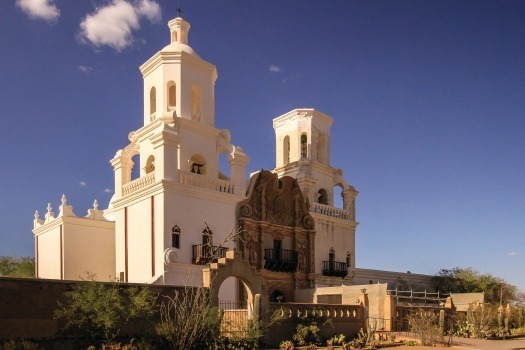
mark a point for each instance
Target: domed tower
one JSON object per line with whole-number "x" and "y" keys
{"x": 177, "y": 82}
{"x": 179, "y": 194}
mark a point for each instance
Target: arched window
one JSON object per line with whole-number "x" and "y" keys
{"x": 286, "y": 150}
{"x": 198, "y": 164}
{"x": 277, "y": 297}
{"x": 304, "y": 146}
{"x": 175, "y": 237}
{"x": 150, "y": 165}
{"x": 322, "y": 196}
{"x": 195, "y": 103}
{"x": 320, "y": 149}
{"x": 152, "y": 102}
{"x": 172, "y": 94}
{"x": 348, "y": 259}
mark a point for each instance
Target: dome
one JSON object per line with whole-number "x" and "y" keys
{"x": 180, "y": 47}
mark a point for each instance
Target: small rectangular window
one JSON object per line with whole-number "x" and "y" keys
{"x": 175, "y": 237}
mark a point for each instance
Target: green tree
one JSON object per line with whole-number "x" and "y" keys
{"x": 103, "y": 309}
{"x": 13, "y": 266}
{"x": 469, "y": 280}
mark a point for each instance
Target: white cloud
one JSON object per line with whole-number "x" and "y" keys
{"x": 275, "y": 69}
{"x": 512, "y": 253}
{"x": 39, "y": 9}
{"x": 85, "y": 69}
{"x": 107, "y": 190}
{"x": 82, "y": 184}
{"x": 150, "y": 10}
{"x": 113, "y": 25}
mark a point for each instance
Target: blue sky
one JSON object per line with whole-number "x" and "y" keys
{"x": 428, "y": 99}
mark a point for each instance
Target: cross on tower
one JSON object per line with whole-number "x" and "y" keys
{"x": 179, "y": 9}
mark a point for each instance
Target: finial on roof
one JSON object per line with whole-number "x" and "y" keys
{"x": 64, "y": 199}
{"x": 95, "y": 205}
{"x": 179, "y": 10}
{"x": 36, "y": 215}
{"x": 49, "y": 208}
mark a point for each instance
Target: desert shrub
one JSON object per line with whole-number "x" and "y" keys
{"x": 411, "y": 343}
{"x": 307, "y": 331}
{"x": 338, "y": 340}
{"x": 287, "y": 345}
{"x": 103, "y": 309}
{"x": 18, "y": 344}
{"x": 426, "y": 325}
{"x": 482, "y": 318}
{"x": 188, "y": 321}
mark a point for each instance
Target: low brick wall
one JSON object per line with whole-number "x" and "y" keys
{"x": 27, "y": 308}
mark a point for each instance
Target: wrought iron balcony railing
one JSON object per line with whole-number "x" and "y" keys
{"x": 280, "y": 260}
{"x": 205, "y": 254}
{"x": 335, "y": 268}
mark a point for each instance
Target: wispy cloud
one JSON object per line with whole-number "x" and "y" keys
{"x": 82, "y": 183}
{"x": 39, "y": 9}
{"x": 512, "y": 253}
{"x": 107, "y": 190}
{"x": 275, "y": 69}
{"x": 113, "y": 25}
{"x": 85, "y": 69}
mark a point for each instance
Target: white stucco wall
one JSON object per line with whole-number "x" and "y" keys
{"x": 48, "y": 253}
{"x": 89, "y": 248}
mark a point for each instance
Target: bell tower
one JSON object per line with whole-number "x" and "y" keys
{"x": 302, "y": 138}
{"x": 177, "y": 82}
{"x": 180, "y": 190}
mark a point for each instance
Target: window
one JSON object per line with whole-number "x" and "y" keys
{"x": 152, "y": 101}
{"x": 198, "y": 164}
{"x": 172, "y": 94}
{"x": 175, "y": 237}
{"x": 195, "y": 103}
{"x": 331, "y": 259}
{"x": 304, "y": 146}
{"x": 150, "y": 165}
{"x": 348, "y": 259}
{"x": 207, "y": 243}
{"x": 322, "y": 196}
{"x": 320, "y": 148}
{"x": 286, "y": 150}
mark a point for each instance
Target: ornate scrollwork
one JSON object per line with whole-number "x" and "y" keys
{"x": 171, "y": 256}
{"x": 246, "y": 210}
{"x": 308, "y": 223}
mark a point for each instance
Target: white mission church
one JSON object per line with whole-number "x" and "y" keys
{"x": 153, "y": 230}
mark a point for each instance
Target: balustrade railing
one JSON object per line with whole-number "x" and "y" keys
{"x": 335, "y": 268}
{"x": 341, "y": 312}
{"x": 192, "y": 179}
{"x": 331, "y": 211}
{"x": 138, "y": 184}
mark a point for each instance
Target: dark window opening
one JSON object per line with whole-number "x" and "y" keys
{"x": 175, "y": 237}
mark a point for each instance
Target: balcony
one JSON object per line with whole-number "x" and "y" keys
{"x": 138, "y": 184}
{"x": 206, "y": 254}
{"x": 327, "y": 210}
{"x": 280, "y": 260}
{"x": 335, "y": 269}
{"x": 192, "y": 179}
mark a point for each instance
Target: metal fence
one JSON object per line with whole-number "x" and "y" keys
{"x": 234, "y": 319}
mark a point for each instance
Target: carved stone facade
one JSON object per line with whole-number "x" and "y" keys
{"x": 278, "y": 236}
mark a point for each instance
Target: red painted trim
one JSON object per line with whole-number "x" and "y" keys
{"x": 61, "y": 254}
{"x": 36, "y": 256}
{"x": 125, "y": 244}
{"x": 152, "y": 236}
